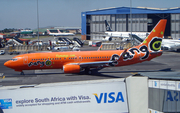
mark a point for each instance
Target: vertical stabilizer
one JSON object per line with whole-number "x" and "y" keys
{"x": 108, "y": 28}
{"x": 58, "y": 31}
{"x": 48, "y": 32}
{"x": 154, "y": 39}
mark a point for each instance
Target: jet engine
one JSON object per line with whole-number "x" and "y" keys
{"x": 71, "y": 68}
{"x": 107, "y": 38}
{"x": 164, "y": 47}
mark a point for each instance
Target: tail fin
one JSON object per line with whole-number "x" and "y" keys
{"x": 58, "y": 31}
{"x": 99, "y": 49}
{"x": 48, "y": 32}
{"x": 108, "y": 28}
{"x": 154, "y": 39}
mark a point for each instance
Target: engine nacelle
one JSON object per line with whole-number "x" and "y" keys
{"x": 165, "y": 48}
{"x": 107, "y": 38}
{"x": 71, "y": 68}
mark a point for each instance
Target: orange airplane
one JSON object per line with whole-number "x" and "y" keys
{"x": 76, "y": 61}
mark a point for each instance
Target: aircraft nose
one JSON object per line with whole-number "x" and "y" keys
{"x": 7, "y": 64}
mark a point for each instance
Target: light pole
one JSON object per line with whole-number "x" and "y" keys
{"x": 132, "y": 43}
{"x": 38, "y": 23}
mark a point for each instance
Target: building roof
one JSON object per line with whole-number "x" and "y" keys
{"x": 126, "y": 10}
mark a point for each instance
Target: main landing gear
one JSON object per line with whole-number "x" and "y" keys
{"x": 22, "y": 73}
{"x": 88, "y": 71}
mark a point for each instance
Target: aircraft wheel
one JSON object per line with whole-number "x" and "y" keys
{"x": 22, "y": 73}
{"x": 90, "y": 72}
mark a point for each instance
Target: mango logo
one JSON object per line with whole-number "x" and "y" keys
{"x": 48, "y": 63}
{"x": 155, "y": 44}
{"x": 109, "y": 97}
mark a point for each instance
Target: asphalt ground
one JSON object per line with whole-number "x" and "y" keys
{"x": 8, "y": 77}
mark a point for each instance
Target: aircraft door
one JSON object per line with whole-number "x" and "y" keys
{"x": 80, "y": 58}
{"x": 25, "y": 59}
{"x": 75, "y": 59}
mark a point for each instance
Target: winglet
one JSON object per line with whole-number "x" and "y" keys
{"x": 99, "y": 48}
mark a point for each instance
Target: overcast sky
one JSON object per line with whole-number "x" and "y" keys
{"x": 23, "y": 13}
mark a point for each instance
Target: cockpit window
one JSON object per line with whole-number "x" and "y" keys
{"x": 14, "y": 59}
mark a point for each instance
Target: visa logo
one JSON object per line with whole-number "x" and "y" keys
{"x": 173, "y": 96}
{"x": 109, "y": 97}
{"x": 7, "y": 100}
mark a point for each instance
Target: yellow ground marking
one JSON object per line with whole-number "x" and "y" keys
{"x": 134, "y": 73}
{"x": 2, "y": 77}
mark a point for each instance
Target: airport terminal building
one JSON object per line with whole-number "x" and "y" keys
{"x": 143, "y": 20}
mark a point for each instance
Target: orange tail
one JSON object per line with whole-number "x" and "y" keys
{"x": 149, "y": 48}
{"x": 154, "y": 39}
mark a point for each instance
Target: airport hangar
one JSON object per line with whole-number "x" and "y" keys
{"x": 143, "y": 20}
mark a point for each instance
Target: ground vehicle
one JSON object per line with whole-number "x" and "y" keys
{"x": 96, "y": 44}
{"x": 2, "y": 52}
{"x": 90, "y": 43}
{"x": 14, "y": 52}
{"x": 60, "y": 48}
{"x": 76, "y": 49}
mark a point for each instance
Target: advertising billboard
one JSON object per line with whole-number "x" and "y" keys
{"x": 83, "y": 97}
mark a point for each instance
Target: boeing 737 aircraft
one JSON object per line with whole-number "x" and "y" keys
{"x": 111, "y": 34}
{"x": 58, "y": 33}
{"x": 76, "y": 61}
